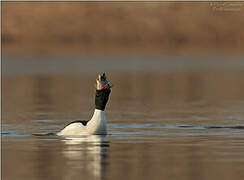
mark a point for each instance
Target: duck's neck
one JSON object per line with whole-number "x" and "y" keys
{"x": 98, "y": 115}
{"x": 97, "y": 124}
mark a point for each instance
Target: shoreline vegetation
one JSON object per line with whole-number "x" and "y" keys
{"x": 89, "y": 28}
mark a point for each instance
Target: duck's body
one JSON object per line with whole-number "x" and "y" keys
{"x": 97, "y": 124}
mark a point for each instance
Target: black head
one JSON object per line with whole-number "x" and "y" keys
{"x": 101, "y": 98}
{"x": 102, "y": 91}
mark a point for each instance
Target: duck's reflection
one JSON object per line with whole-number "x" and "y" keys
{"x": 86, "y": 155}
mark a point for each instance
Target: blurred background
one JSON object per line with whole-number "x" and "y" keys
{"x": 108, "y": 28}
{"x": 185, "y": 50}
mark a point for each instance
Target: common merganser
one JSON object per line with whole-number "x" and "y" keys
{"x": 97, "y": 124}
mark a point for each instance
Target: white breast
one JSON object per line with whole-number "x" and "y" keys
{"x": 96, "y": 126}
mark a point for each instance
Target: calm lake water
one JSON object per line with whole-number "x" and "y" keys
{"x": 168, "y": 118}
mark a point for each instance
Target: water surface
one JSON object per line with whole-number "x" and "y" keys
{"x": 168, "y": 118}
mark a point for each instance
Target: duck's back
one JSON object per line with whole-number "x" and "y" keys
{"x": 74, "y": 128}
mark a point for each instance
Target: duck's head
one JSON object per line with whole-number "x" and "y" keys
{"x": 103, "y": 82}
{"x": 103, "y": 90}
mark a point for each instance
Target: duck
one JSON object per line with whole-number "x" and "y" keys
{"x": 97, "y": 124}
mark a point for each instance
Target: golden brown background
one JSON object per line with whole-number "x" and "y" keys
{"x": 123, "y": 27}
